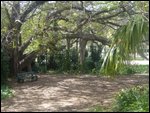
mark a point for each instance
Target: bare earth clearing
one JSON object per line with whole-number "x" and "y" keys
{"x": 68, "y": 93}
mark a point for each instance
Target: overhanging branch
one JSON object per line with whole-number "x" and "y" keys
{"x": 33, "y": 6}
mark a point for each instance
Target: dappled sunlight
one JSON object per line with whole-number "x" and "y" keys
{"x": 70, "y": 56}
{"x": 67, "y": 93}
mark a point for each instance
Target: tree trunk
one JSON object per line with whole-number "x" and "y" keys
{"x": 77, "y": 45}
{"x": 82, "y": 52}
{"x": 68, "y": 44}
{"x": 67, "y": 61}
{"x": 16, "y": 21}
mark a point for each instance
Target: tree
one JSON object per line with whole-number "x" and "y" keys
{"x": 16, "y": 20}
{"x": 30, "y": 27}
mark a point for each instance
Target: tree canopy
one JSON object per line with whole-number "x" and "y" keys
{"x": 29, "y": 28}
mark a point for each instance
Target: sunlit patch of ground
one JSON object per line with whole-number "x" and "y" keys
{"x": 67, "y": 93}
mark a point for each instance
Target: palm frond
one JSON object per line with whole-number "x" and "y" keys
{"x": 126, "y": 41}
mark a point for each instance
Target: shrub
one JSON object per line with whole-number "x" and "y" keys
{"x": 89, "y": 64}
{"x": 74, "y": 59}
{"x": 93, "y": 61}
{"x": 68, "y": 60}
{"x": 134, "y": 99}
{"x": 5, "y": 92}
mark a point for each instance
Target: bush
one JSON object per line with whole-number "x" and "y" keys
{"x": 5, "y": 92}
{"x": 93, "y": 61}
{"x": 68, "y": 60}
{"x": 134, "y": 99}
{"x": 89, "y": 64}
{"x": 74, "y": 59}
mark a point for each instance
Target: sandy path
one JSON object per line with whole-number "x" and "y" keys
{"x": 67, "y": 93}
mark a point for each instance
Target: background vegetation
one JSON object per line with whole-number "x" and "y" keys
{"x": 95, "y": 37}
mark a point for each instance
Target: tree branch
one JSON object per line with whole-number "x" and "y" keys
{"x": 101, "y": 39}
{"x": 100, "y": 12}
{"x": 66, "y": 8}
{"x": 113, "y": 24}
{"x": 28, "y": 59}
{"x": 31, "y": 8}
{"x": 25, "y": 44}
{"x": 109, "y": 16}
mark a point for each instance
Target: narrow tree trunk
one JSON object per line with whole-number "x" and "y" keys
{"x": 77, "y": 45}
{"x": 67, "y": 62}
{"x": 68, "y": 44}
{"x": 15, "y": 62}
{"x": 82, "y": 52}
{"x": 16, "y": 55}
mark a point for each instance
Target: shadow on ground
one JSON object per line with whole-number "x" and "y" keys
{"x": 67, "y": 93}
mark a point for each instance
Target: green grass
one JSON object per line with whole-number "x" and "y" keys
{"x": 6, "y": 92}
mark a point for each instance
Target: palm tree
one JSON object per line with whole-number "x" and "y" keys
{"x": 127, "y": 40}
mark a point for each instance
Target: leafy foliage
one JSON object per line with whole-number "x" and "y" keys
{"x": 41, "y": 64}
{"x": 5, "y": 92}
{"x": 134, "y": 100}
{"x": 74, "y": 59}
{"x": 64, "y": 60}
{"x": 93, "y": 59}
{"x": 49, "y": 24}
{"x": 127, "y": 40}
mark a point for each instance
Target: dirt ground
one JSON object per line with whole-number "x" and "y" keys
{"x": 67, "y": 93}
